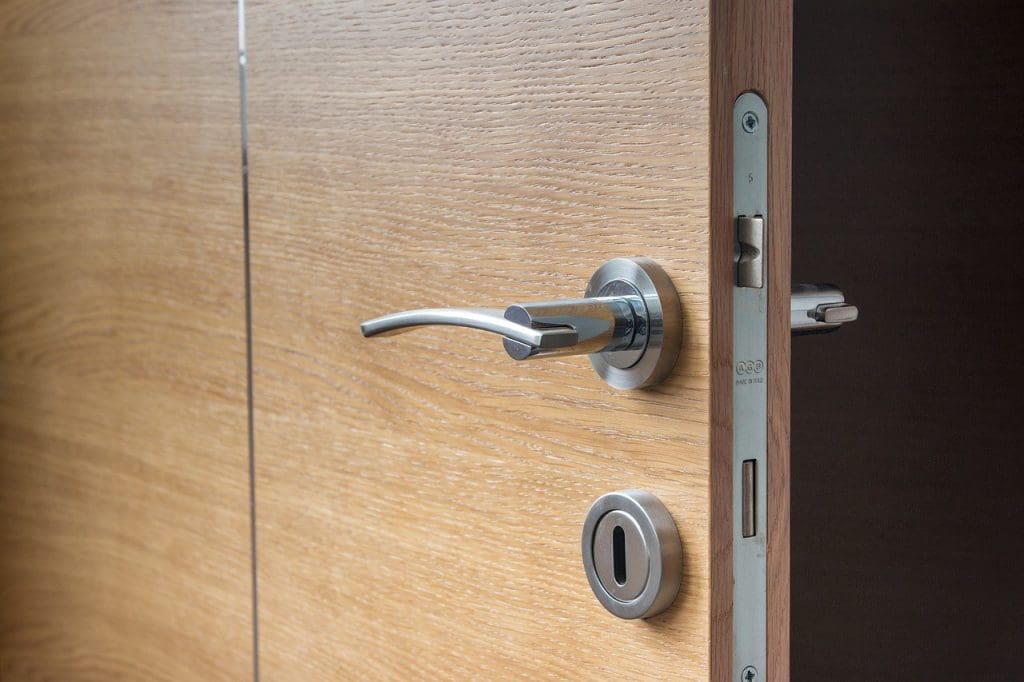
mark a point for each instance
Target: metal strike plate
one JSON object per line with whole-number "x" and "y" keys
{"x": 750, "y": 393}
{"x": 632, "y": 554}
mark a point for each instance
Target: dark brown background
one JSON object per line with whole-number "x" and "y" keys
{"x": 907, "y": 426}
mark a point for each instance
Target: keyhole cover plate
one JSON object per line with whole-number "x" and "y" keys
{"x": 632, "y": 554}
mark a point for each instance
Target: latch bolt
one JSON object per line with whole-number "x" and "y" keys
{"x": 750, "y": 259}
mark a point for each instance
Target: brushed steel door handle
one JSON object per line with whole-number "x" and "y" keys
{"x": 573, "y": 327}
{"x": 817, "y": 308}
{"x": 628, "y": 323}
{"x": 486, "y": 319}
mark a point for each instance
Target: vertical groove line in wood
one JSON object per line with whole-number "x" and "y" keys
{"x": 244, "y": 141}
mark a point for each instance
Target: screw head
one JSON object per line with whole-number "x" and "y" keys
{"x": 749, "y": 674}
{"x": 750, "y": 123}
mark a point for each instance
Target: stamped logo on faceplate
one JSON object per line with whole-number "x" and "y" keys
{"x": 750, "y": 372}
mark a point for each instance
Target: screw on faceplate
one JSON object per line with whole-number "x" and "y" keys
{"x": 750, "y": 123}
{"x": 749, "y": 673}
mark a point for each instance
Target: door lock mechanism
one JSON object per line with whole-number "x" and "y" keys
{"x": 632, "y": 554}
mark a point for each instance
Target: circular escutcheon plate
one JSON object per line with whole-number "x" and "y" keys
{"x": 654, "y": 362}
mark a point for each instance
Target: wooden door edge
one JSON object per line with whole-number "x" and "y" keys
{"x": 751, "y": 50}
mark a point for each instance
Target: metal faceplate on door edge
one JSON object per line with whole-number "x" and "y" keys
{"x": 750, "y": 389}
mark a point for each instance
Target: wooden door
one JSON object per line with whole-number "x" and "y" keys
{"x": 124, "y": 510}
{"x": 419, "y": 500}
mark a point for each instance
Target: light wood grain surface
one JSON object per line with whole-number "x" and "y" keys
{"x": 420, "y": 498}
{"x": 124, "y": 521}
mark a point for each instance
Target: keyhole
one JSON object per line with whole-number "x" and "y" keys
{"x": 619, "y": 554}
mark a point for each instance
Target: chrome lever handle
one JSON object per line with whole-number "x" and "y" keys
{"x": 485, "y": 319}
{"x": 574, "y": 327}
{"x": 628, "y": 324}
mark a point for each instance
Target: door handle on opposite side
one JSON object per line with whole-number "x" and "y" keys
{"x": 629, "y": 323}
{"x": 817, "y": 308}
